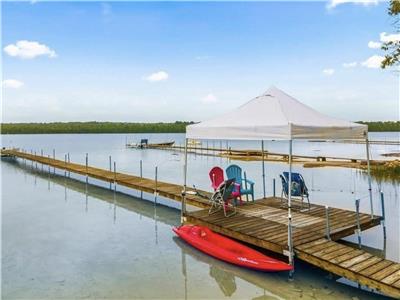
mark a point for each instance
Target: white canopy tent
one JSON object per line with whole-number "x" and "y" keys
{"x": 275, "y": 115}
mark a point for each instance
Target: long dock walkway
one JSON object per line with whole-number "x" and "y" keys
{"x": 263, "y": 223}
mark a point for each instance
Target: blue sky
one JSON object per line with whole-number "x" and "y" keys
{"x": 167, "y": 61}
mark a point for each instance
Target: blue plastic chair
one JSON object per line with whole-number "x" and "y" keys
{"x": 299, "y": 188}
{"x": 246, "y": 185}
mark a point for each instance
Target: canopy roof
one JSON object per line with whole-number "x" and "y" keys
{"x": 275, "y": 115}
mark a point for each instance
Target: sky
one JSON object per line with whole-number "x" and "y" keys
{"x": 168, "y": 61}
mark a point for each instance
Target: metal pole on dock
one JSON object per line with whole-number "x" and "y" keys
{"x": 383, "y": 223}
{"x": 290, "y": 241}
{"x": 358, "y": 230}
{"x": 155, "y": 191}
{"x": 110, "y": 165}
{"x": 86, "y": 163}
{"x": 35, "y": 162}
{"x": 183, "y": 204}
{"x": 141, "y": 176}
{"x": 69, "y": 173}
{"x": 369, "y": 177}
{"x": 263, "y": 167}
{"x": 328, "y": 228}
{"x": 115, "y": 176}
{"x": 54, "y": 157}
{"x": 65, "y": 165}
{"x": 273, "y": 187}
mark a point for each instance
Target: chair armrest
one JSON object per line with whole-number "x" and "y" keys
{"x": 248, "y": 181}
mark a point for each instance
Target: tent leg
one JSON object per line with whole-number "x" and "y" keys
{"x": 290, "y": 240}
{"x": 183, "y": 204}
{"x": 263, "y": 167}
{"x": 369, "y": 177}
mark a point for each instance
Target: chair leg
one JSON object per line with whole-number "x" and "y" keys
{"x": 309, "y": 205}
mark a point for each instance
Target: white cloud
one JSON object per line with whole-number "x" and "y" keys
{"x": 210, "y": 98}
{"x": 374, "y": 45}
{"x": 384, "y": 37}
{"x": 373, "y": 62}
{"x": 328, "y": 72}
{"x": 334, "y": 3}
{"x": 28, "y": 50}
{"x": 12, "y": 84}
{"x": 158, "y": 76}
{"x": 350, "y": 64}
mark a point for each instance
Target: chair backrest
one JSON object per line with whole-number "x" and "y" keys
{"x": 284, "y": 185}
{"x": 298, "y": 179}
{"x": 216, "y": 177}
{"x": 226, "y": 188}
{"x": 234, "y": 172}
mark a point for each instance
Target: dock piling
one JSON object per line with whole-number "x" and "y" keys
{"x": 263, "y": 167}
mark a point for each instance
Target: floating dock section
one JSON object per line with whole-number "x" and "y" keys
{"x": 263, "y": 223}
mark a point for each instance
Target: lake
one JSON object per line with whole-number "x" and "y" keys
{"x": 64, "y": 239}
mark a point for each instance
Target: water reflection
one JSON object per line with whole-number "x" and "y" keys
{"x": 230, "y": 280}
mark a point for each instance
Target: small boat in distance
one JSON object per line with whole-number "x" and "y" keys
{"x": 228, "y": 250}
{"x": 144, "y": 144}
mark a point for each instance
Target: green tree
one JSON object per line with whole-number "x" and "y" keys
{"x": 392, "y": 48}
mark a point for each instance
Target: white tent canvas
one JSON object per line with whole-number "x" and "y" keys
{"x": 275, "y": 115}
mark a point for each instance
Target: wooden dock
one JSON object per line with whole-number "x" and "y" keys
{"x": 307, "y": 161}
{"x": 263, "y": 223}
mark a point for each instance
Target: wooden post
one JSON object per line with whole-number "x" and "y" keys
{"x": 183, "y": 204}
{"x": 54, "y": 157}
{"x": 327, "y": 229}
{"x": 358, "y": 230}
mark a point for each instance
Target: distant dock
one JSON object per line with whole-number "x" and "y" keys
{"x": 263, "y": 223}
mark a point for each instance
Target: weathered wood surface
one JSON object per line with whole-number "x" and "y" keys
{"x": 354, "y": 264}
{"x": 164, "y": 189}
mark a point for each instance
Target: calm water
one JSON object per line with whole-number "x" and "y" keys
{"x": 63, "y": 239}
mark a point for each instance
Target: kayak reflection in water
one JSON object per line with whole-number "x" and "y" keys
{"x": 225, "y": 280}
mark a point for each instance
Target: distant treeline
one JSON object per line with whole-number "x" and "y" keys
{"x": 93, "y": 127}
{"x": 382, "y": 126}
{"x": 120, "y": 127}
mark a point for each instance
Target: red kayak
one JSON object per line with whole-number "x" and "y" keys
{"x": 228, "y": 250}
